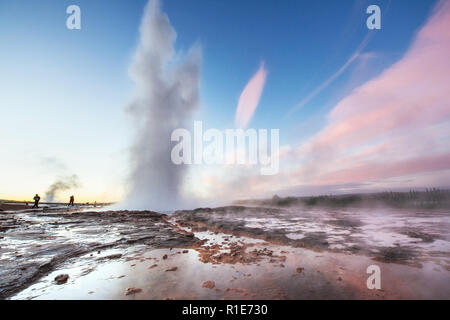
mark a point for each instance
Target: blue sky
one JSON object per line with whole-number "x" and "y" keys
{"x": 64, "y": 92}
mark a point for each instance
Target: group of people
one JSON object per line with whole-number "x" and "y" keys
{"x": 37, "y": 198}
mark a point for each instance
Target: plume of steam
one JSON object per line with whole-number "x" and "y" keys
{"x": 166, "y": 95}
{"x": 62, "y": 184}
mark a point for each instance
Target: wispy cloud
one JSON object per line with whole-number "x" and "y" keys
{"x": 393, "y": 126}
{"x": 249, "y": 99}
{"x": 335, "y": 75}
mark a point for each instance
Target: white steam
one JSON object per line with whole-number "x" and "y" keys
{"x": 166, "y": 95}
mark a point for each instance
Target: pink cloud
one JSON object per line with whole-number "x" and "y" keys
{"x": 394, "y": 126}
{"x": 404, "y": 101}
{"x": 375, "y": 171}
{"x": 249, "y": 99}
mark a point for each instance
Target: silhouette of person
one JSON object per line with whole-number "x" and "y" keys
{"x": 36, "y": 201}
{"x": 72, "y": 199}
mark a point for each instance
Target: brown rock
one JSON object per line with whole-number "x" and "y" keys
{"x": 209, "y": 284}
{"x": 131, "y": 291}
{"x": 114, "y": 256}
{"x": 61, "y": 279}
{"x": 172, "y": 269}
{"x": 165, "y": 257}
{"x": 299, "y": 269}
{"x": 153, "y": 266}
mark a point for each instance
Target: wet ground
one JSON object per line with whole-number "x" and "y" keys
{"x": 33, "y": 244}
{"x": 224, "y": 253}
{"x": 387, "y": 235}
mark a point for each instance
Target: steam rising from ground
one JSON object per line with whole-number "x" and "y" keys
{"x": 166, "y": 95}
{"x": 62, "y": 184}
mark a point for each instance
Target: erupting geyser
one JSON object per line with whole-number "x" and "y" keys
{"x": 166, "y": 95}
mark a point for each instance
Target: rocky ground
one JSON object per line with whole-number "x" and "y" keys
{"x": 33, "y": 244}
{"x": 387, "y": 235}
{"x": 223, "y": 253}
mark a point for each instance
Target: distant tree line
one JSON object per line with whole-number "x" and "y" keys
{"x": 428, "y": 199}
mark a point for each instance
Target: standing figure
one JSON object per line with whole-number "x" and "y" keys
{"x": 36, "y": 201}
{"x": 72, "y": 199}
